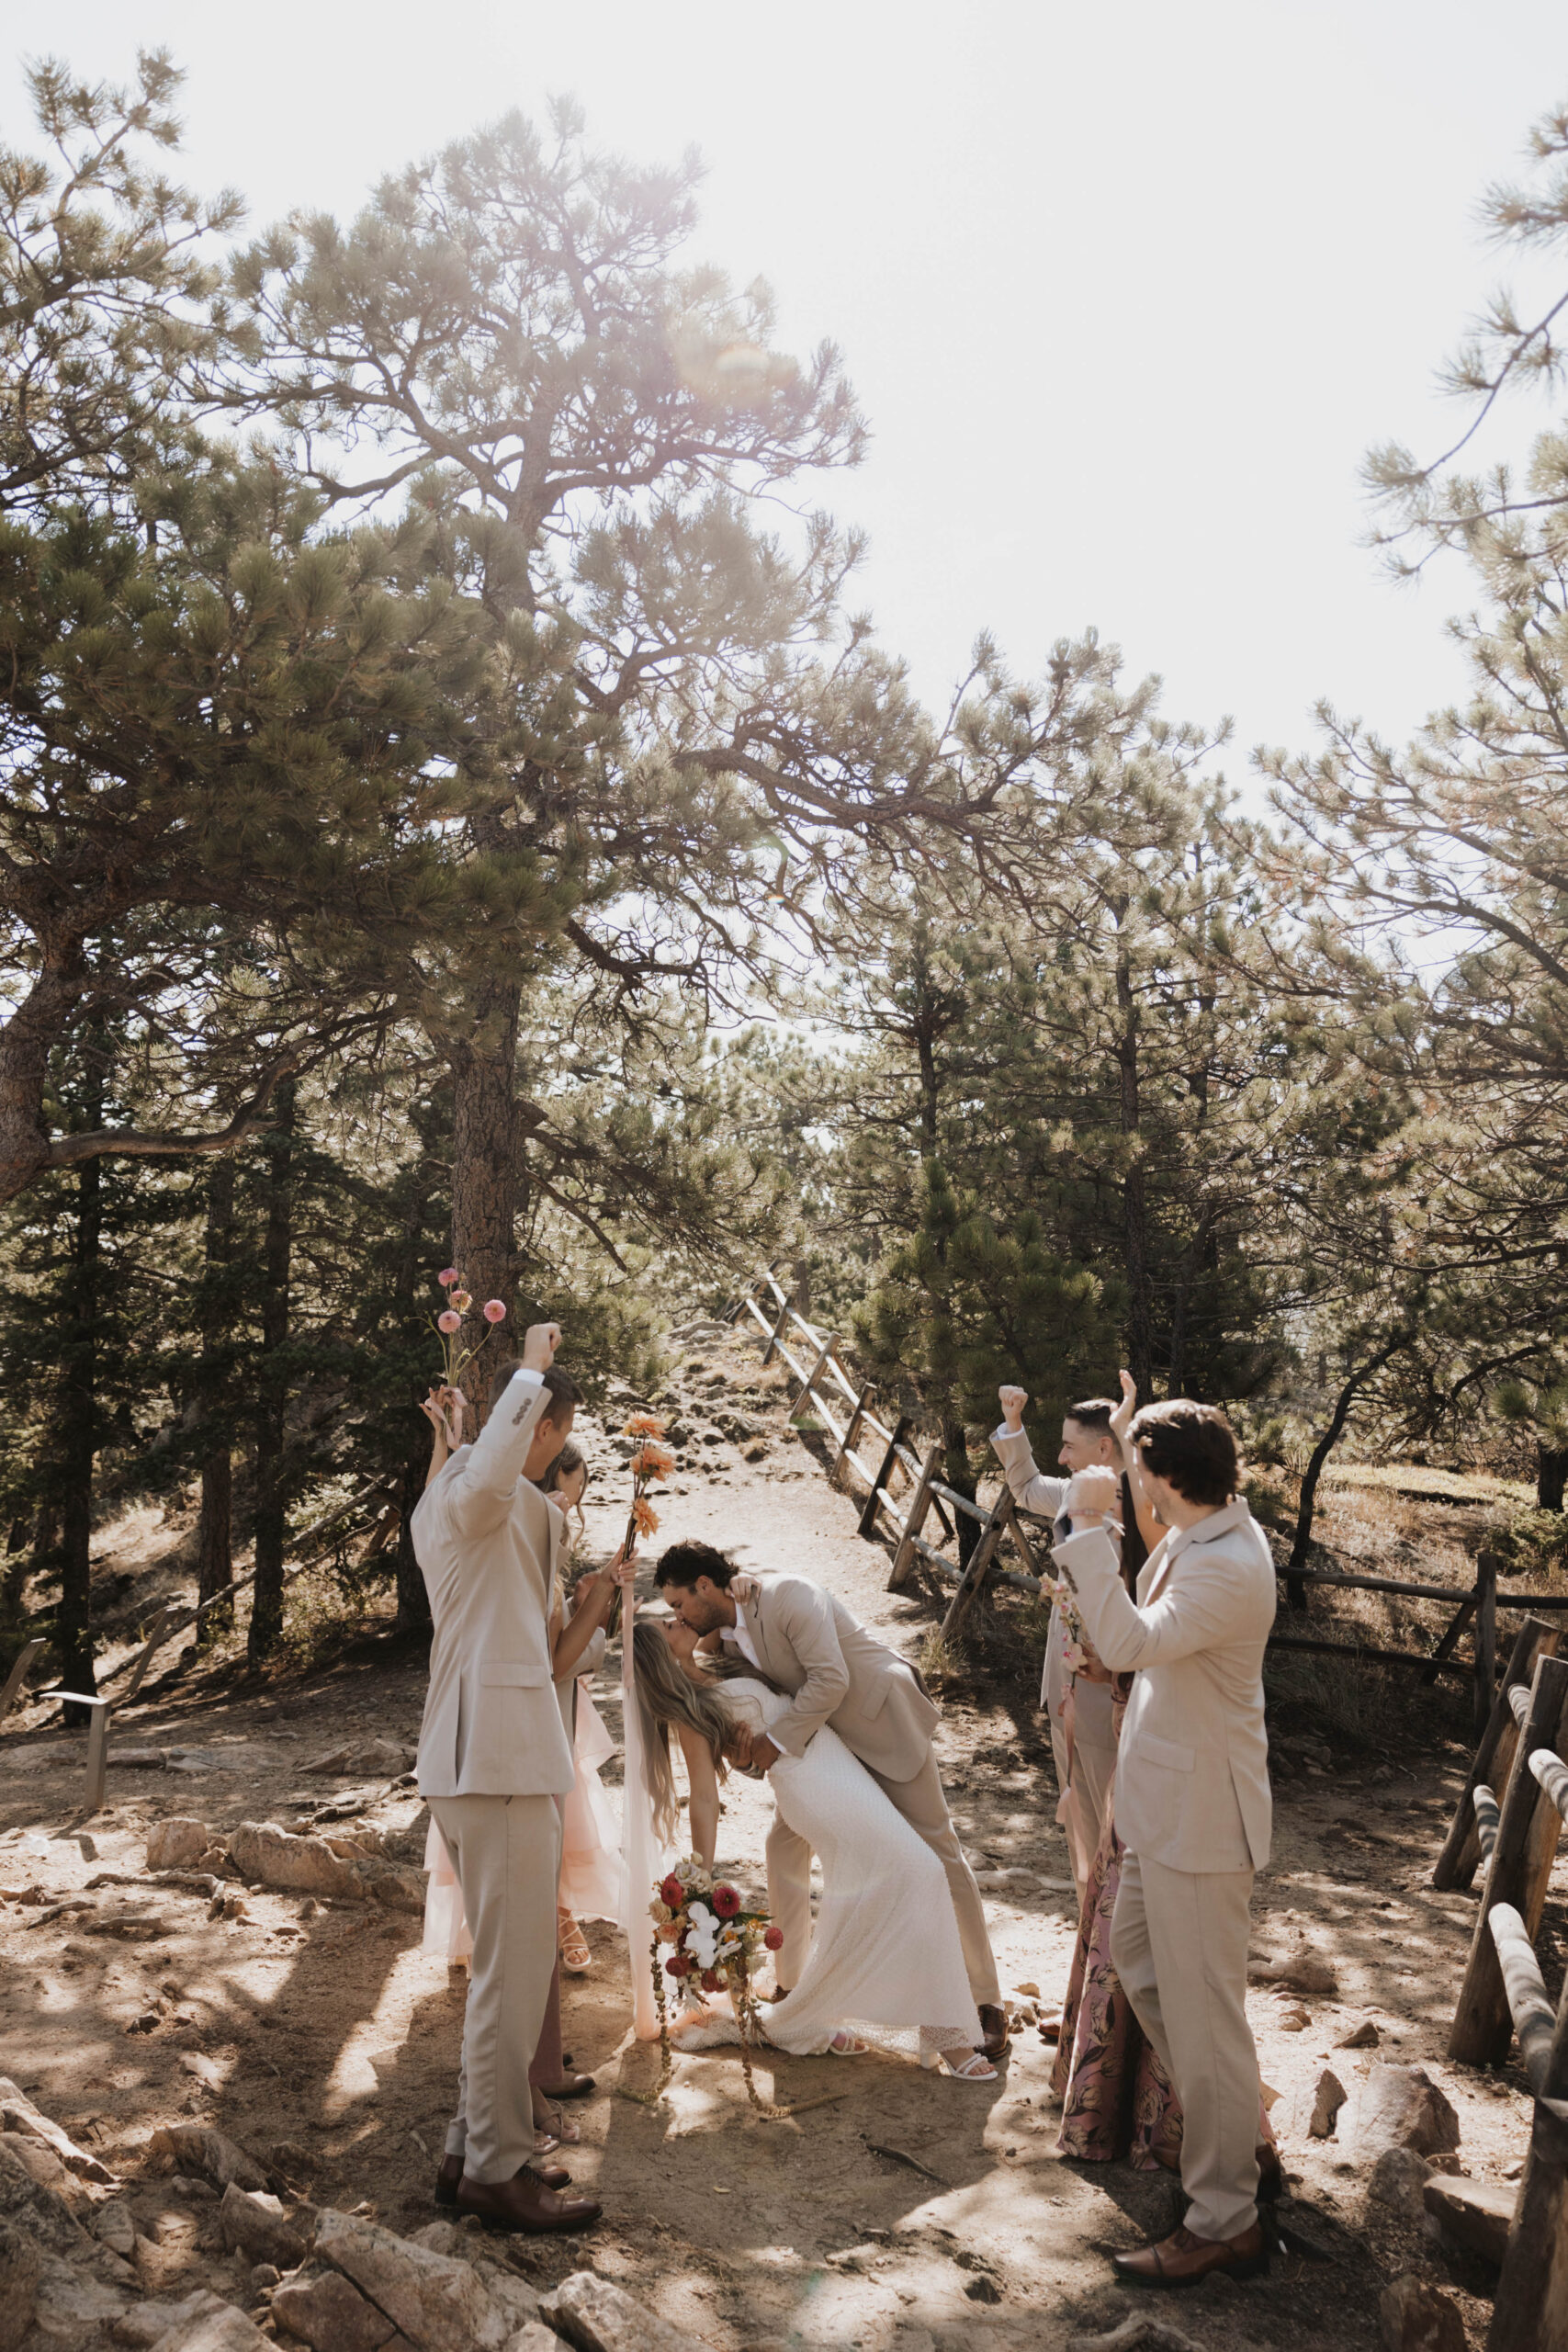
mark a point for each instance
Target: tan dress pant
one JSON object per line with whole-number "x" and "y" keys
{"x": 1178, "y": 1943}
{"x": 923, "y": 1805}
{"x": 506, "y": 1853}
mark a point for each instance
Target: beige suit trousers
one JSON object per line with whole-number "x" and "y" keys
{"x": 506, "y": 1853}
{"x": 1178, "y": 1943}
{"x": 923, "y": 1805}
{"x": 1087, "y": 1781}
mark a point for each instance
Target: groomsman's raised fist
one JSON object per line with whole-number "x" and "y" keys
{"x": 1094, "y": 1493}
{"x": 1013, "y": 1402}
{"x": 540, "y": 1341}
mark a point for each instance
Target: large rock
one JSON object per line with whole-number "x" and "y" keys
{"x": 195, "y": 2147}
{"x": 437, "y": 2302}
{"x": 220, "y": 2328}
{"x": 145, "y": 2325}
{"x": 1304, "y": 1971}
{"x": 1475, "y": 2215}
{"x": 330, "y": 2315}
{"x": 40, "y": 2212}
{"x": 1399, "y": 2182}
{"x": 19, "y": 2271}
{"x": 275, "y": 1856}
{"x": 114, "y": 2225}
{"x": 257, "y": 2224}
{"x": 1315, "y": 2109}
{"x": 177, "y": 1844}
{"x": 519, "y": 2302}
{"x": 1402, "y": 2107}
{"x": 534, "y": 2338}
{"x": 1414, "y": 2317}
{"x": 73, "y": 2307}
{"x": 598, "y": 2317}
{"x": 19, "y": 2115}
{"x": 45, "y": 2166}
{"x": 366, "y": 1756}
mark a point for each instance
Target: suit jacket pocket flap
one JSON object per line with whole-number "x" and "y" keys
{"x": 498, "y": 1675}
{"x": 1167, "y": 1752}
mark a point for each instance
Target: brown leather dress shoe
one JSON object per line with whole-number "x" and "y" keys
{"x": 1182, "y": 2259}
{"x": 450, "y": 2173}
{"x": 523, "y": 2203}
{"x": 571, "y": 2087}
{"x": 994, "y": 2027}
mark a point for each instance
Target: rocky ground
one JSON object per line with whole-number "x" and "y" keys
{"x": 177, "y": 1969}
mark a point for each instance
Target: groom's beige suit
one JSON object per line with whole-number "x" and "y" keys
{"x": 808, "y": 1644}
{"x": 1193, "y": 1810}
{"x": 493, "y": 1758}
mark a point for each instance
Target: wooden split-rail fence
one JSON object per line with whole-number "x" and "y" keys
{"x": 827, "y": 1389}
{"x": 1524, "y": 1751}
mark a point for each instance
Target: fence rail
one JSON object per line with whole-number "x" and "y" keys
{"x": 827, "y": 1386}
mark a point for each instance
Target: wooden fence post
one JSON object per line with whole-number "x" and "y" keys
{"x": 1526, "y": 2314}
{"x": 914, "y": 1520}
{"x": 97, "y": 1741}
{"x": 1449, "y": 1635}
{"x": 1521, "y": 1867}
{"x": 163, "y": 1626}
{"x": 1486, "y": 1639}
{"x": 813, "y": 1375}
{"x": 18, "y": 1675}
{"x": 771, "y": 1347}
{"x": 837, "y": 1475}
{"x": 890, "y": 1461}
{"x": 979, "y": 1566}
{"x": 1455, "y": 1866}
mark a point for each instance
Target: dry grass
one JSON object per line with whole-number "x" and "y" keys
{"x": 1462, "y": 1485}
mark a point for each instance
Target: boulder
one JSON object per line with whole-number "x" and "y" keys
{"x": 439, "y": 2302}
{"x": 1475, "y": 2215}
{"x": 44, "y": 2165}
{"x": 195, "y": 2147}
{"x": 73, "y": 2307}
{"x": 220, "y": 2328}
{"x": 42, "y": 2213}
{"x": 19, "y": 2115}
{"x": 114, "y": 2226}
{"x": 145, "y": 2325}
{"x": 519, "y": 2302}
{"x": 440, "y": 2237}
{"x": 1402, "y": 2107}
{"x": 365, "y": 1755}
{"x": 533, "y": 2337}
{"x": 275, "y": 1856}
{"x": 328, "y": 2314}
{"x": 1304, "y": 1972}
{"x": 1365, "y": 2037}
{"x": 177, "y": 1844}
{"x": 1414, "y": 2317}
{"x": 598, "y": 2317}
{"x": 20, "y": 2269}
{"x": 257, "y": 2224}
{"x": 1399, "y": 2181}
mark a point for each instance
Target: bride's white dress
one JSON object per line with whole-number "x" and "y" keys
{"x": 885, "y": 1961}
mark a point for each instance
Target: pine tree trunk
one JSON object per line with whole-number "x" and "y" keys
{"x": 215, "y": 1552}
{"x": 266, "y": 1612}
{"x": 413, "y": 1601}
{"x": 79, "y": 1398}
{"x": 27, "y": 1040}
{"x": 1135, "y": 1197}
{"x": 485, "y": 1172}
{"x": 1551, "y": 1477}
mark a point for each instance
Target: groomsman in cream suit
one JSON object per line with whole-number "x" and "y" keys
{"x": 493, "y": 1758}
{"x": 1192, "y": 1801}
{"x": 807, "y": 1641}
{"x": 1076, "y": 1700}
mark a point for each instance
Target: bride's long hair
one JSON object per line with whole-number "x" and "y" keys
{"x": 669, "y": 1699}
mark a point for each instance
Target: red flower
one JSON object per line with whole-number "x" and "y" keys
{"x": 773, "y": 1939}
{"x": 672, "y": 1892}
{"x": 679, "y": 1966}
{"x": 710, "y": 1981}
{"x": 725, "y": 1902}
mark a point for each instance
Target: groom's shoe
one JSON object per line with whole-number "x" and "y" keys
{"x": 994, "y": 2025}
{"x": 1183, "y": 2261}
{"x": 525, "y": 2204}
{"x": 451, "y": 2172}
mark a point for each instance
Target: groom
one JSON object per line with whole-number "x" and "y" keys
{"x": 807, "y": 1642}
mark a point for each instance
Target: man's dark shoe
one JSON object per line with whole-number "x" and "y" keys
{"x": 450, "y": 2173}
{"x": 571, "y": 2087}
{"x": 994, "y": 2027}
{"x": 524, "y": 2204}
{"x": 1183, "y": 2261}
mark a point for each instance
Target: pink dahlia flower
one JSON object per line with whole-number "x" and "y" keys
{"x": 495, "y": 1310}
{"x": 448, "y": 1322}
{"x": 447, "y": 1276}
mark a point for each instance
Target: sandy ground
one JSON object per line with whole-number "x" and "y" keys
{"x": 909, "y": 2211}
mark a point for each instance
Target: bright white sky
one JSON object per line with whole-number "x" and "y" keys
{"x": 1125, "y": 291}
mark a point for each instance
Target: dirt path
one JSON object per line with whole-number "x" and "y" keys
{"x": 910, "y": 2213}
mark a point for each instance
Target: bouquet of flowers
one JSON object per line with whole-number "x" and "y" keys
{"x": 455, "y": 1358}
{"x": 651, "y": 1460}
{"x": 1076, "y": 1648}
{"x": 714, "y": 1944}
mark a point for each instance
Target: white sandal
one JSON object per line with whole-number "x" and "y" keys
{"x": 977, "y": 2067}
{"x": 843, "y": 2044}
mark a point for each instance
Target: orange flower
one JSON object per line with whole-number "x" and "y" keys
{"x": 645, "y": 1517}
{"x": 643, "y": 1425}
{"x": 652, "y": 1462}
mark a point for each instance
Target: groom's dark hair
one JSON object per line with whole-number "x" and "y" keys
{"x": 682, "y": 1564}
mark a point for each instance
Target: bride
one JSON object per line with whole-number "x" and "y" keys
{"x": 885, "y": 1965}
